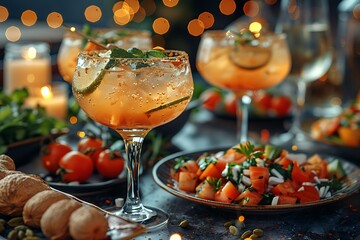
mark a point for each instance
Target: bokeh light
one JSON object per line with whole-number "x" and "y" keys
{"x": 207, "y": 19}
{"x": 133, "y": 4}
{"x": 251, "y": 8}
{"x": 54, "y": 20}
{"x": 227, "y": 7}
{"x": 93, "y": 13}
{"x": 122, "y": 16}
{"x": 195, "y": 27}
{"x": 255, "y": 27}
{"x": 149, "y": 6}
{"x": 4, "y": 14}
{"x": 13, "y": 34}
{"x": 28, "y": 18}
{"x": 170, "y": 3}
{"x": 161, "y": 25}
{"x": 139, "y": 15}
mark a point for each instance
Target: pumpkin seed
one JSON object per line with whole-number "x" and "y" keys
{"x": 29, "y": 233}
{"x": 2, "y": 228}
{"x": 20, "y": 234}
{"x": 15, "y": 221}
{"x": 254, "y": 237}
{"x": 229, "y": 223}
{"x": 246, "y": 234}
{"x": 20, "y": 228}
{"x": 184, "y": 223}
{"x": 12, "y": 235}
{"x": 259, "y": 232}
{"x": 2, "y": 221}
{"x": 233, "y": 230}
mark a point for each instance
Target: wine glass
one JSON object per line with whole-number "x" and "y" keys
{"x": 306, "y": 24}
{"x": 133, "y": 96}
{"x": 243, "y": 63}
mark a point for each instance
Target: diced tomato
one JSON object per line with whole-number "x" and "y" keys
{"x": 205, "y": 190}
{"x": 249, "y": 198}
{"x": 283, "y": 189}
{"x": 210, "y": 171}
{"x": 211, "y": 98}
{"x": 227, "y": 193}
{"x": 308, "y": 194}
{"x": 220, "y": 165}
{"x": 332, "y": 126}
{"x": 231, "y": 155}
{"x": 285, "y": 162}
{"x": 281, "y": 105}
{"x": 315, "y": 166}
{"x": 187, "y": 181}
{"x": 188, "y": 166}
{"x": 259, "y": 177}
{"x": 286, "y": 200}
{"x": 299, "y": 175}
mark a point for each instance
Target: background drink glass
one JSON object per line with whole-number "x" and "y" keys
{"x": 133, "y": 97}
{"x": 307, "y": 27}
{"x": 243, "y": 68}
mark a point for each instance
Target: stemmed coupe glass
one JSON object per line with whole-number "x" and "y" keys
{"x": 132, "y": 95}
{"x": 74, "y": 42}
{"x": 243, "y": 63}
{"x": 307, "y": 27}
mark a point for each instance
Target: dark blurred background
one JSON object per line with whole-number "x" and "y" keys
{"x": 179, "y": 16}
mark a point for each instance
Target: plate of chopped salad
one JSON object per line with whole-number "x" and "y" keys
{"x": 257, "y": 178}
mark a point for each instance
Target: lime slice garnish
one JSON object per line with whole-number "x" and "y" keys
{"x": 87, "y": 85}
{"x": 249, "y": 56}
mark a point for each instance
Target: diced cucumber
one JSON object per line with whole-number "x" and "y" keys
{"x": 271, "y": 152}
{"x": 336, "y": 169}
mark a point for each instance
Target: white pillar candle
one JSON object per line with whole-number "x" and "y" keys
{"x": 53, "y": 98}
{"x": 26, "y": 65}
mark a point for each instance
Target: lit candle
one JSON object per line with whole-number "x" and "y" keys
{"x": 53, "y": 98}
{"x": 26, "y": 65}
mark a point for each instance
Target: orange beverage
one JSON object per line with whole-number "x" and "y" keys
{"x": 237, "y": 67}
{"x": 127, "y": 97}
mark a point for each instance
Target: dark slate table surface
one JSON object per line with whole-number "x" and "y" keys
{"x": 340, "y": 220}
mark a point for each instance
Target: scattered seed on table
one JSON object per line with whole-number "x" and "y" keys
{"x": 233, "y": 230}
{"x": 246, "y": 234}
{"x": 184, "y": 223}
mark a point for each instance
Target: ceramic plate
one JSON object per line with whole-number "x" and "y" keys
{"x": 161, "y": 174}
{"x": 21, "y": 151}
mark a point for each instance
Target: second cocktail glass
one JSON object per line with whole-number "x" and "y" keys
{"x": 132, "y": 96}
{"x": 243, "y": 63}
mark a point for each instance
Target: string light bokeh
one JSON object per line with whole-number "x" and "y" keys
{"x": 128, "y": 12}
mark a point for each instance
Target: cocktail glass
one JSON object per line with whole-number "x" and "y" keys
{"x": 72, "y": 44}
{"x": 243, "y": 63}
{"x": 133, "y": 96}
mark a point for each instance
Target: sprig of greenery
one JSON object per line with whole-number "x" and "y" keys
{"x": 248, "y": 150}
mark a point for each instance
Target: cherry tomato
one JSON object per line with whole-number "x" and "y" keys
{"x": 262, "y": 102}
{"x": 110, "y": 163}
{"x": 230, "y": 103}
{"x": 281, "y": 105}
{"x": 51, "y": 155}
{"x": 76, "y": 167}
{"x": 91, "y": 146}
{"x": 211, "y": 98}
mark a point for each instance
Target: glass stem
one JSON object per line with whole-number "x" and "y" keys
{"x": 242, "y": 111}
{"x": 299, "y": 108}
{"x": 133, "y": 147}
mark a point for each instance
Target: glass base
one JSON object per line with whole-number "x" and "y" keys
{"x": 152, "y": 218}
{"x": 288, "y": 139}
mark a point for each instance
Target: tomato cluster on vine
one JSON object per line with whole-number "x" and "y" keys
{"x": 78, "y": 165}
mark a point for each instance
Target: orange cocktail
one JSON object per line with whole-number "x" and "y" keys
{"x": 132, "y": 92}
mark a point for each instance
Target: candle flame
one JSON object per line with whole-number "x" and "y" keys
{"x": 241, "y": 218}
{"x": 46, "y": 92}
{"x": 30, "y": 54}
{"x": 255, "y": 27}
{"x": 72, "y": 29}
